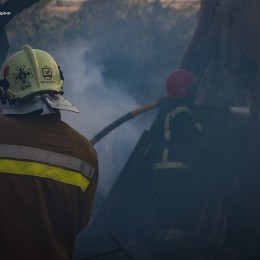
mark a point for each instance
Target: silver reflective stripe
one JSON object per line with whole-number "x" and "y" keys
{"x": 166, "y": 164}
{"x": 170, "y": 165}
{"x": 47, "y": 157}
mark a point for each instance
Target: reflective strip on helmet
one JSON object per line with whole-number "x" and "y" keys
{"x": 42, "y": 163}
{"x": 171, "y": 115}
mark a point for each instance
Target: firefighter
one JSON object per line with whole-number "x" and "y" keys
{"x": 48, "y": 171}
{"x": 172, "y": 163}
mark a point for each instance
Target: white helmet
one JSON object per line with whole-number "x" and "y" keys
{"x": 31, "y": 71}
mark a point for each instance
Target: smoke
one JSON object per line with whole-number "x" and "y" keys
{"x": 100, "y": 102}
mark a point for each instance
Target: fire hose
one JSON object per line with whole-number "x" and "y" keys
{"x": 122, "y": 120}
{"x": 240, "y": 111}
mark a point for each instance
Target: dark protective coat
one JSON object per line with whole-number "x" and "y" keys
{"x": 173, "y": 166}
{"x": 41, "y": 215}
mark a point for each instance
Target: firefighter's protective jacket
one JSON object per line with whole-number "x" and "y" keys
{"x": 176, "y": 130}
{"x": 48, "y": 178}
{"x": 172, "y": 165}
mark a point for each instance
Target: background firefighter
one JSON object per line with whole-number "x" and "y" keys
{"x": 48, "y": 171}
{"x": 172, "y": 165}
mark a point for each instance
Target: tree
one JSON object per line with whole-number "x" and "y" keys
{"x": 10, "y": 8}
{"x": 36, "y": 26}
{"x": 137, "y": 42}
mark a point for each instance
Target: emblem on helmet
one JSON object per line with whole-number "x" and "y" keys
{"x": 47, "y": 73}
{"x": 22, "y": 76}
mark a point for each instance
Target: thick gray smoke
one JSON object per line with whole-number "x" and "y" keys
{"x": 100, "y": 103}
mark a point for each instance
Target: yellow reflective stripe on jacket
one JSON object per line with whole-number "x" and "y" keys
{"x": 58, "y": 166}
{"x": 43, "y": 170}
{"x": 171, "y": 115}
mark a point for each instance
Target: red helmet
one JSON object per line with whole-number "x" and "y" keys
{"x": 179, "y": 83}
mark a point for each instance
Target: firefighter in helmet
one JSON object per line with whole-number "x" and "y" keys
{"x": 48, "y": 171}
{"x": 172, "y": 162}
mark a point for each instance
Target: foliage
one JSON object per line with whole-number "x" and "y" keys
{"x": 137, "y": 42}
{"x": 38, "y": 27}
